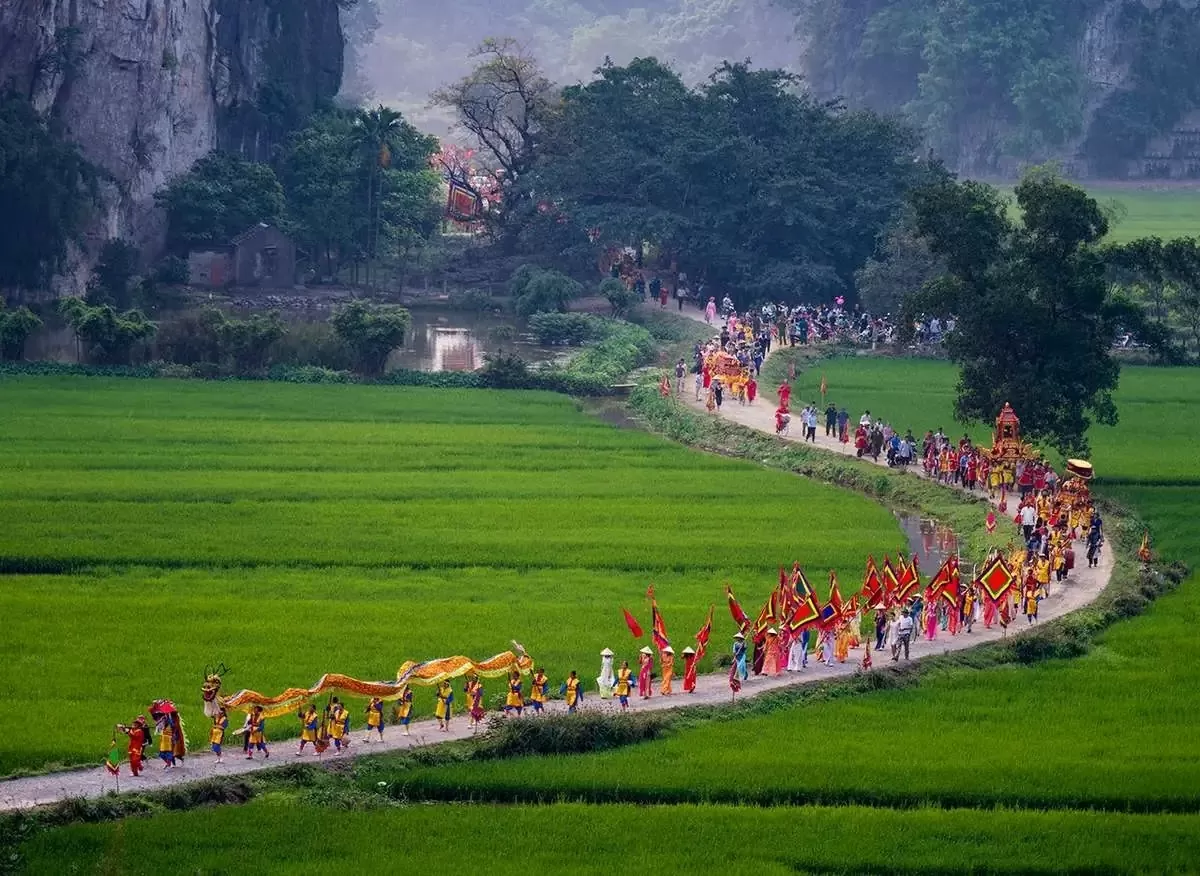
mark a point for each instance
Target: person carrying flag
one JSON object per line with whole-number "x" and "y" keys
{"x": 739, "y": 656}
{"x": 667, "y": 662}
{"x": 403, "y": 708}
{"x": 445, "y": 705}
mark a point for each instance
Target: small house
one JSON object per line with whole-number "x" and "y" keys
{"x": 261, "y": 257}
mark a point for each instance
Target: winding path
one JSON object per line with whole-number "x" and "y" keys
{"x": 1081, "y": 588}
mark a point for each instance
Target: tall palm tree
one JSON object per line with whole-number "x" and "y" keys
{"x": 376, "y": 134}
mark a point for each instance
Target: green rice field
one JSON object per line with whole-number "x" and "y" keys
{"x": 1054, "y": 735}
{"x": 280, "y": 837}
{"x": 1066, "y": 766}
{"x": 1147, "y": 211}
{"x": 154, "y": 527}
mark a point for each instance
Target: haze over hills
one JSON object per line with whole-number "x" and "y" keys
{"x": 420, "y": 46}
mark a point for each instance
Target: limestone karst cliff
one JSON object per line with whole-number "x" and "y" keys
{"x": 146, "y": 87}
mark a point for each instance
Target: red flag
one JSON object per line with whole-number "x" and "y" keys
{"x": 996, "y": 579}
{"x": 831, "y": 613}
{"x": 908, "y": 581}
{"x": 872, "y": 590}
{"x": 891, "y": 582}
{"x": 735, "y": 610}
{"x": 950, "y": 590}
{"x": 703, "y": 635}
{"x": 807, "y": 609}
{"x": 658, "y": 629}
{"x": 631, "y": 622}
{"x": 768, "y": 616}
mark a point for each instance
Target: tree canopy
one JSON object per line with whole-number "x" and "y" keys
{"x": 745, "y": 181}
{"x": 46, "y": 191}
{"x": 1036, "y": 319}
{"x": 219, "y": 198}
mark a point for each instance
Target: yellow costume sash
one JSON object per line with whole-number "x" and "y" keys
{"x": 427, "y": 674}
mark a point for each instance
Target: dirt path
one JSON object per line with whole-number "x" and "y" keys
{"x": 1081, "y": 588}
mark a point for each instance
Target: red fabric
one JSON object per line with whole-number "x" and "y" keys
{"x": 735, "y": 610}
{"x": 631, "y": 622}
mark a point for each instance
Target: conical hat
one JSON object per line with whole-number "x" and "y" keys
{"x": 689, "y": 651}
{"x": 739, "y": 635}
{"x": 606, "y": 653}
{"x": 771, "y": 631}
{"x": 647, "y": 650}
{"x": 668, "y": 650}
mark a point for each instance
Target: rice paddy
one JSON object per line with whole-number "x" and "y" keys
{"x": 1004, "y": 769}
{"x": 154, "y": 527}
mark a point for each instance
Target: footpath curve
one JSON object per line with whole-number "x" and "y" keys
{"x": 1080, "y": 589}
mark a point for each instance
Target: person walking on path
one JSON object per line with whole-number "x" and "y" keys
{"x": 904, "y": 631}
{"x": 710, "y": 311}
{"x": 831, "y": 418}
{"x": 646, "y": 664}
{"x": 739, "y": 656}
{"x": 680, "y": 373}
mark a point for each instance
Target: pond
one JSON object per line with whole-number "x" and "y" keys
{"x": 440, "y": 339}
{"x": 929, "y": 540}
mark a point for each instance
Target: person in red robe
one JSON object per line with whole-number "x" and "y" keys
{"x": 706, "y": 373}
{"x": 646, "y": 661}
{"x": 689, "y": 670}
{"x": 785, "y": 395}
{"x": 751, "y": 390}
{"x": 137, "y": 741}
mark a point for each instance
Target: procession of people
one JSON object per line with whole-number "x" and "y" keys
{"x": 886, "y": 616}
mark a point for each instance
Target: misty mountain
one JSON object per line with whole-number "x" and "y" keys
{"x": 419, "y": 46}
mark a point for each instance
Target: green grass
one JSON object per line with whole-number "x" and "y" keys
{"x": 1153, "y": 442}
{"x": 1166, "y": 212}
{"x": 277, "y": 836}
{"x": 288, "y": 531}
{"x": 1056, "y": 734}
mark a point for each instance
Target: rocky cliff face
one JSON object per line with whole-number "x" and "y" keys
{"x": 146, "y": 87}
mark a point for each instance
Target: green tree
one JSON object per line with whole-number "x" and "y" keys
{"x": 319, "y": 173}
{"x": 1035, "y": 317}
{"x": 219, "y": 198}
{"x": 15, "y": 328}
{"x": 902, "y": 265}
{"x": 619, "y": 296}
{"x": 371, "y": 331}
{"x": 47, "y": 191}
{"x": 105, "y": 336}
{"x": 537, "y": 291}
{"x": 394, "y": 158}
{"x": 112, "y": 278}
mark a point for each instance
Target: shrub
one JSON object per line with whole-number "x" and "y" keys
{"x": 537, "y": 291}
{"x": 114, "y": 273}
{"x": 505, "y": 371}
{"x": 107, "y": 337}
{"x": 173, "y": 271}
{"x": 619, "y": 296}
{"x": 307, "y": 374}
{"x": 312, "y": 343}
{"x": 371, "y": 332}
{"x": 566, "y": 328}
{"x": 15, "y": 328}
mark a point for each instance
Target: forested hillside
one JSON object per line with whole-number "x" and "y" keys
{"x": 1108, "y": 87}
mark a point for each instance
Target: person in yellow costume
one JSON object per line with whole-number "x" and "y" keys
{"x": 374, "y": 718}
{"x": 337, "y": 724}
{"x": 624, "y": 685}
{"x": 257, "y": 734}
{"x": 403, "y": 708}
{"x": 308, "y": 727}
{"x": 445, "y": 705}
{"x": 216, "y": 734}
{"x": 1041, "y": 572}
{"x": 574, "y": 694}
{"x": 841, "y": 643}
{"x": 667, "y": 662}
{"x": 166, "y": 744}
{"x": 537, "y": 694}
{"x": 515, "y": 701}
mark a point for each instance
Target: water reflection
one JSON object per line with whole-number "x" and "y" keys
{"x": 440, "y": 339}
{"x": 931, "y": 541}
